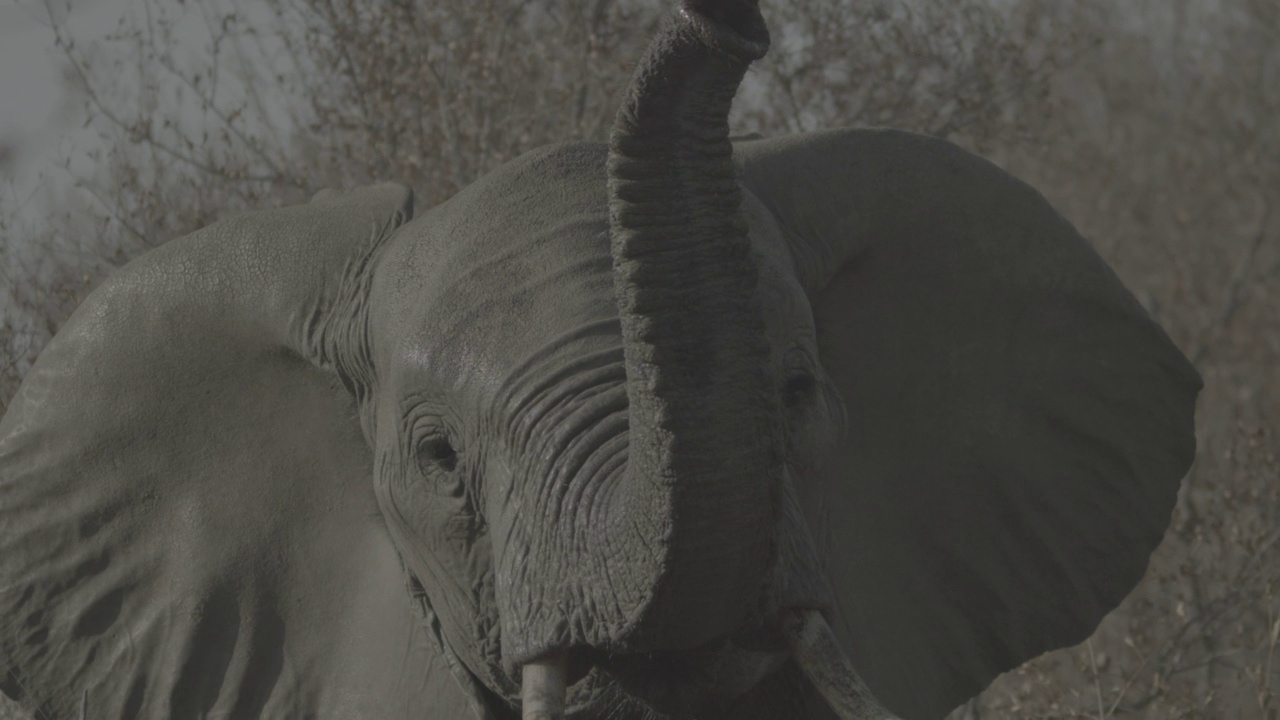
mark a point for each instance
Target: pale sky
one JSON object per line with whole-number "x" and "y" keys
{"x": 29, "y": 87}
{"x": 34, "y": 108}
{"x": 40, "y": 121}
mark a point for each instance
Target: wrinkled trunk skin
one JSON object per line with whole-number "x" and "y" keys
{"x": 704, "y": 473}
{"x": 646, "y": 516}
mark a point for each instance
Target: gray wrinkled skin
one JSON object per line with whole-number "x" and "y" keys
{"x": 628, "y": 403}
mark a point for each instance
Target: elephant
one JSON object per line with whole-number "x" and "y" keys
{"x": 835, "y": 424}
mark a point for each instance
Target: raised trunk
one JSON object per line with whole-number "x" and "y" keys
{"x": 703, "y": 477}
{"x": 657, "y": 531}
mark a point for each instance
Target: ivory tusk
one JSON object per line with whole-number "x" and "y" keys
{"x": 542, "y": 690}
{"x": 814, "y": 647}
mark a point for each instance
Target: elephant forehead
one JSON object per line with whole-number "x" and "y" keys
{"x": 493, "y": 314}
{"x": 514, "y": 270}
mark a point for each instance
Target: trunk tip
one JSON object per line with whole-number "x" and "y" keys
{"x": 734, "y": 27}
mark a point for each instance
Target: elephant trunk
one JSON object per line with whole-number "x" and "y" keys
{"x": 703, "y": 477}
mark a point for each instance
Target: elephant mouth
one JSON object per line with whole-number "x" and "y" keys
{"x": 718, "y": 679}
{"x": 699, "y": 681}
{"x": 705, "y": 681}
{"x": 712, "y": 680}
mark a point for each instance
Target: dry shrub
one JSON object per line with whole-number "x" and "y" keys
{"x": 437, "y": 94}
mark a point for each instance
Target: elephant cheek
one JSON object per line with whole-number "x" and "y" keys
{"x": 445, "y": 548}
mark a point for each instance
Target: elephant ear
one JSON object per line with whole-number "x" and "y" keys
{"x": 1017, "y": 426}
{"x": 187, "y": 520}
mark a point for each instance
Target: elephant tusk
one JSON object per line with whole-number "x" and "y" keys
{"x": 543, "y": 687}
{"x": 820, "y": 658}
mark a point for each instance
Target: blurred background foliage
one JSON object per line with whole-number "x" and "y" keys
{"x": 1151, "y": 124}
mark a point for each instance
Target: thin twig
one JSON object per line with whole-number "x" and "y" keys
{"x": 1231, "y": 293}
{"x": 1097, "y": 684}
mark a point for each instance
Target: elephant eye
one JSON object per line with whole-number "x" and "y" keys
{"x": 436, "y": 453}
{"x": 798, "y": 389}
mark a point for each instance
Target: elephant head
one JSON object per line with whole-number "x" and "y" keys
{"x": 668, "y": 422}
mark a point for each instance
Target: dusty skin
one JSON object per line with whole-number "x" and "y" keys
{"x": 609, "y": 416}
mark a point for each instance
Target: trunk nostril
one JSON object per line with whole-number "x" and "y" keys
{"x": 731, "y": 26}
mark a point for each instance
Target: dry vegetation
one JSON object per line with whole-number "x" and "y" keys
{"x": 1151, "y": 124}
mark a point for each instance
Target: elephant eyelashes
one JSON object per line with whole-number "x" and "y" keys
{"x": 435, "y": 454}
